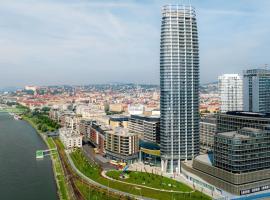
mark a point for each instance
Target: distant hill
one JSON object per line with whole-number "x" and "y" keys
{"x": 209, "y": 87}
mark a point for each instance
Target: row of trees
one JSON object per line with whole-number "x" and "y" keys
{"x": 40, "y": 117}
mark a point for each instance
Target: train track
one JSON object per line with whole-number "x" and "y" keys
{"x": 72, "y": 177}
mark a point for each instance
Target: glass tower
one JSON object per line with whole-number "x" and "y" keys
{"x": 179, "y": 84}
{"x": 257, "y": 90}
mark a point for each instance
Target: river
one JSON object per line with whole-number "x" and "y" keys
{"x": 22, "y": 177}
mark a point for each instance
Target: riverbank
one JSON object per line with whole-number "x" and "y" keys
{"x": 56, "y": 164}
{"x": 23, "y": 176}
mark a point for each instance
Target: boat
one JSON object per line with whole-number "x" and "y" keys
{"x": 17, "y": 117}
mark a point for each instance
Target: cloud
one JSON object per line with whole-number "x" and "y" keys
{"x": 54, "y": 36}
{"x": 80, "y": 42}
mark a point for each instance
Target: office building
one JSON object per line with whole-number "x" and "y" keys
{"x": 257, "y": 90}
{"x": 230, "y": 92}
{"x": 147, "y": 127}
{"x": 179, "y": 85}
{"x": 242, "y": 151}
{"x": 240, "y": 163}
{"x": 233, "y": 121}
{"x": 208, "y": 128}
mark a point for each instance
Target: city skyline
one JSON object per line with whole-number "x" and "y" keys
{"x": 63, "y": 42}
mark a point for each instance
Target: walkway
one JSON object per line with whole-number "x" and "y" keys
{"x": 103, "y": 173}
{"x": 100, "y": 185}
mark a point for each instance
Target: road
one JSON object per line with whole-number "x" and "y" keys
{"x": 88, "y": 151}
{"x": 100, "y": 185}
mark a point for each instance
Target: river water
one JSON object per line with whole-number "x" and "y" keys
{"x": 22, "y": 177}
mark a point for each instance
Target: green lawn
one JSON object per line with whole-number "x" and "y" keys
{"x": 93, "y": 171}
{"x": 90, "y": 193}
{"x": 150, "y": 180}
{"x": 60, "y": 177}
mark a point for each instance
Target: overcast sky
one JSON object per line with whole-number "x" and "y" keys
{"x": 45, "y": 42}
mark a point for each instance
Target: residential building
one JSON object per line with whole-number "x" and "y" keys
{"x": 116, "y": 107}
{"x": 179, "y": 85}
{"x": 135, "y": 109}
{"x": 147, "y": 127}
{"x": 118, "y": 121}
{"x": 257, "y": 90}
{"x": 96, "y": 134}
{"x": 84, "y": 126}
{"x": 230, "y": 92}
{"x": 121, "y": 145}
{"x": 70, "y": 138}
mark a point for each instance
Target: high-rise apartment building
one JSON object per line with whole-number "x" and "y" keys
{"x": 230, "y": 92}
{"x": 179, "y": 84}
{"x": 257, "y": 90}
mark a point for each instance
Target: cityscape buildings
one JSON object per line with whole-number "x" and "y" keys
{"x": 230, "y": 92}
{"x": 179, "y": 87}
{"x": 226, "y": 152}
{"x": 257, "y": 90}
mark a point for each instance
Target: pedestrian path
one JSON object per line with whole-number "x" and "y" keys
{"x": 103, "y": 173}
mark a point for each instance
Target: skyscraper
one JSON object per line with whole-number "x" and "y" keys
{"x": 257, "y": 90}
{"x": 231, "y": 92}
{"x": 179, "y": 84}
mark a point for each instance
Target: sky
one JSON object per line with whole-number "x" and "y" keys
{"x": 49, "y": 42}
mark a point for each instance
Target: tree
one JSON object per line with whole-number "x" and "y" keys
{"x": 44, "y": 128}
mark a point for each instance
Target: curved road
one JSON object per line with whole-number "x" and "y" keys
{"x": 100, "y": 185}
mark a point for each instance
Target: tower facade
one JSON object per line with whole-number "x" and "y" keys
{"x": 179, "y": 84}
{"x": 230, "y": 92}
{"x": 257, "y": 90}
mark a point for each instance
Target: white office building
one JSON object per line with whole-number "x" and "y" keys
{"x": 230, "y": 92}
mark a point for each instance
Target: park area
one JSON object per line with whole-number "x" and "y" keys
{"x": 180, "y": 190}
{"x": 149, "y": 180}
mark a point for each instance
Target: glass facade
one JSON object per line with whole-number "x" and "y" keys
{"x": 257, "y": 90}
{"x": 242, "y": 151}
{"x": 233, "y": 121}
{"x": 179, "y": 84}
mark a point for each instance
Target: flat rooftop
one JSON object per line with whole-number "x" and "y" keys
{"x": 205, "y": 158}
{"x": 151, "y": 118}
{"x": 234, "y": 134}
{"x": 248, "y": 114}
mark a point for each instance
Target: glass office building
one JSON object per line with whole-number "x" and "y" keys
{"x": 257, "y": 90}
{"x": 243, "y": 151}
{"x": 179, "y": 84}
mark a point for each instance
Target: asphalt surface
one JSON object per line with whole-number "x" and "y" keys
{"x": 88, "y": 151}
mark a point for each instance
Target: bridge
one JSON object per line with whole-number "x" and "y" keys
{"x": 47, "y": 152}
